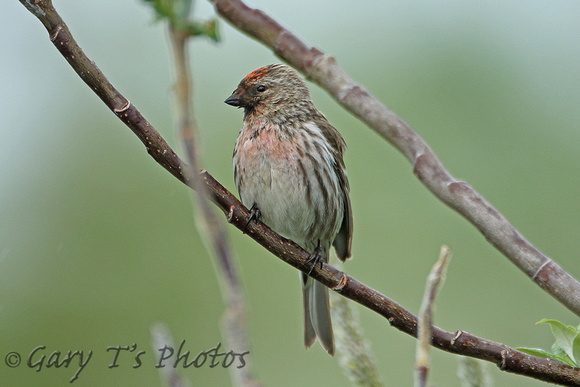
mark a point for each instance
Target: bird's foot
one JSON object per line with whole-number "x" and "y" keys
{"x": 254, "y": 215}
{"x": 315, "y": 258}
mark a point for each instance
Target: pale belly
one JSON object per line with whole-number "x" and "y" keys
{"x": 273, "y": 178}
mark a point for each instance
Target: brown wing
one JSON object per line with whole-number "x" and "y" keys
{"x": 343, "y": 240}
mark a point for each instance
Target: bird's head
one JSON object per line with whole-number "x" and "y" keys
{"x": 269, "y": 89}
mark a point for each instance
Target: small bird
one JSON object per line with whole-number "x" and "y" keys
{"x": 289, "y": 168}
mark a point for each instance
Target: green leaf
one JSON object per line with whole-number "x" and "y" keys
{"x": 212, "y": 30}
{"x": 208, "y": 28}
{"x": 576, "y": 346}
{"x": 535, "y": 352}
{"x": 163, "y": 8}
{"x": 560, "y": 355}
{"x": 556, "y": 354}
{"x": 182, "y": 8}
{"x": 566, "y": 349}
{"x": 177, "y": 13}
{"x": 564, "y": 335}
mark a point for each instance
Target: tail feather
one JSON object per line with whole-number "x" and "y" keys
{"x": 317, "y": 321}
{"x": 309, "y": 332}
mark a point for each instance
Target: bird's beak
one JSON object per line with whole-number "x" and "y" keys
{"x": 233, "y": 100}
{"x": 237, "y": 99}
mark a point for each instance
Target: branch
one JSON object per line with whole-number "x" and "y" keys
{"x": 160, "y": 337}
{"x": 508, "y": 359}
{"x": 209, "y": 226}
{"x": 355, "y": 356}
{"x": 434, "y": 282}
{"x": 458, "y": 195}
{"x": 473, "y": 373}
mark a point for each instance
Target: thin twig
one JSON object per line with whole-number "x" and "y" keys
{"x": 473, "y": 373}
{"x": 355, "y": 356}
{"x": 508, "y": 359}
{"x": 209, "y": 226}
{"x": 160, "y": 338}
{"x": 434, "y": 281}
{"x": 458, "y": 195}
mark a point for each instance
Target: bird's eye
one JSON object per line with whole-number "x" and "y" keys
{"x": 261, "y": 88}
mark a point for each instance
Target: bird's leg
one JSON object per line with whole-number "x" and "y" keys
{"x": 254, "y": 215}
{"x": 315, "y": 257}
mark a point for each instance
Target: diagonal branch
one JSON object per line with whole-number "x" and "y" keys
{"x": 508, "y": 359}
{"x": 458, "y": 195}
{"x": 209, "y": 226}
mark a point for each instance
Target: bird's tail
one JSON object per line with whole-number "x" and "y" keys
{"x": 317, "y": 322}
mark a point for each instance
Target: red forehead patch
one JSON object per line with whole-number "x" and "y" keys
{"x": 257, "y": 74}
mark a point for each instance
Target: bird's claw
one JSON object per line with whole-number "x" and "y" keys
{"x": 315, "y": 258}
{"x": 254, "y": 215}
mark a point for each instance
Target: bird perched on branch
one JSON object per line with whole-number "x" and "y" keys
{"x": 289, "y": 168}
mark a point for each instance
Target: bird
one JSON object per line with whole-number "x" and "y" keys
{"x": 289, "y": 170}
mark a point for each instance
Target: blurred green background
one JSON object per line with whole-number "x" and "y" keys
{"x": 97, "y": 242}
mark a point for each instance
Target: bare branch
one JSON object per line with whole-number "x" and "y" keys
{"x": 508, "y": 359}
{"x": 355, "y": 356}
{"x": 473, "y": 373}
{"x": 161, "y": 337}
{"x": 458, "y": 195}
{"x": 434, "y": 281}
{"x": 209, "y": 226}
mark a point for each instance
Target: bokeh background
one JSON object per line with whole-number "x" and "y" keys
{"x": 98, "y": 242}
